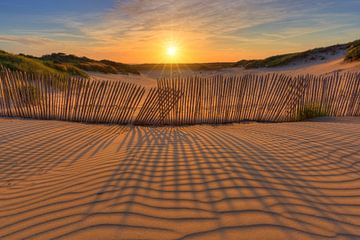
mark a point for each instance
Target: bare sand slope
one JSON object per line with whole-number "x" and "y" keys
{"x": 329, "y": 65}
{"x": 142, "y": 80}
{"x": 315, "y": 68}
{"x": 62, "y": 180}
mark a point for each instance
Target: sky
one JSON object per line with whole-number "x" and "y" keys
{"x": 143, "y": 31}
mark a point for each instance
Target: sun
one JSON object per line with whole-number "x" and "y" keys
{"x": 171, "y": 51}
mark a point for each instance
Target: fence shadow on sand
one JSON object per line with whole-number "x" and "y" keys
{"x": 279, "y": 181}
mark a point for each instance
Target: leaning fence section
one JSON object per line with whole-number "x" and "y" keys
{"x": 179, "y": 100}
{"x": 226, "y": 99}
{"x": 70, "y": 99}
{"x": 157, "y": 105}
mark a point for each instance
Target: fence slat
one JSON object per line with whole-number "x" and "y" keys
{"x": 178, "y": 100}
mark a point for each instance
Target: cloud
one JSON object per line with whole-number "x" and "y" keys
{"x": 134, "y": 28}
{"x": 25, "y": 40}
{"x": 215, "y": 21}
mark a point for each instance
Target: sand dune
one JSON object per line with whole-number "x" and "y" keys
{"x": 318, "y": 67}
{"x": 329, "y": 65}
{"x": 63, "y": 180}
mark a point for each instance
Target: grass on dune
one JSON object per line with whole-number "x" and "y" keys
{"x": 87, "y": 64}
{"x": 62, "y": 64}
{"x": 25, "y": 64}
{"x": 353, "y": 52}
{"x": 287, "y": 59}
{"x": 311, "y": 111}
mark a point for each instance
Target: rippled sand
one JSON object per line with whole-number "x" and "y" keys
{"x": 62, "y": 180}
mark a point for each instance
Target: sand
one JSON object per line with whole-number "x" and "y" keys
{"x": 142, "y": 80}
{"x": 61, "y": 180}
{"x": 318, "y": 67}
{"x": 331, "y": 64}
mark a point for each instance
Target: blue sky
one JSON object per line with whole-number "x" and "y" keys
{"x": 137, "y": 31}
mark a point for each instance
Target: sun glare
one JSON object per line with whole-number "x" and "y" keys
{"x": 171, "y": 51}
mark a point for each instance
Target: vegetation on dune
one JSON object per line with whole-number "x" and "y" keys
{"x": 62, "y": 64}
{"x": 87, "y": 64}
{"x": 64, "y": 58}
{"x": 25, "y": 64}
{"x": 30, "y": 64}
{"x": 120, "y": 67}
{"x": 311, "y": 111}
{"x": 67, "y": 68}
{"x": 353, "y": 52}
{"x": 287, "y": 59}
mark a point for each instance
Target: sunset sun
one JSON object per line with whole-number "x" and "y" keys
{"x": 171, "y": 51}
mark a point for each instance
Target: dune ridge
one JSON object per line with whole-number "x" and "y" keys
{"x": 62, "y": 180}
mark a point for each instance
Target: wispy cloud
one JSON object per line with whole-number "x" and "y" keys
{"x": 25, "y": 40}
{"x": 130, "y": 30}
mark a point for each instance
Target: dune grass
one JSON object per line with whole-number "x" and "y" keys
{"x": 287, "y": 59}
{"x": 87, "y": 64}
{"x": 62, "y": 64}
{"x": 353, "y": 52}
{"x": 25, "y": 64}
{"x": 311, "y": 111}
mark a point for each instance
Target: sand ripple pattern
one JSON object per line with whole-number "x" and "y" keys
{"x": 63, "y": 180}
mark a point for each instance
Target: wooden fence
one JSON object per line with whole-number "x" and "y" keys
{"x": 179, "y": 101}
{"x": 232, "y": 99}
{"x": 71, "y": 99}
{"x": 333, "y": 95}
{"x": 269, "y": 98}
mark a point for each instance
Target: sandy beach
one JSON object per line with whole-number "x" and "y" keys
{"x": 61, "y": 180}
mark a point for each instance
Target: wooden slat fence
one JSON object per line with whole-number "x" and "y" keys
{"x": 70, "y": 99}
{"x": 333, "y": 95}
{"x": 226, "y": 99}
{"x": 178, "y": 100}
{"x": 158, "y": 104}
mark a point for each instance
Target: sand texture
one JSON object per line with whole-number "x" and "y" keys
{"x": 62, "y": 180}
